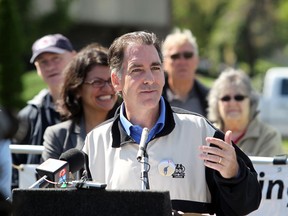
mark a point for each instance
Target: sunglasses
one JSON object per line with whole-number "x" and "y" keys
{"x": 186, "y": 55}
{"x": 99, "y": 83}
{"x": 238, "y": 98}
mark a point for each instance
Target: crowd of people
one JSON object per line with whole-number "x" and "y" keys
{"x": 100, "y": 99}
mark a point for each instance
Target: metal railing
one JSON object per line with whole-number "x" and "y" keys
{"x": 38, "y": 149}
{"x": 278, "y": 159}
{"x": 26, "y": 149}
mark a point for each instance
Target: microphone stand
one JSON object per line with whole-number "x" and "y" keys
{"x": 144, "y": 172}
{"x": 41, "y": 183}
{"x": 142, "y": 157}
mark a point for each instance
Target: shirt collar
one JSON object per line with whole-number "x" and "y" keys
{"x": 120, "y": 137}
{"x": 135, "y": 130}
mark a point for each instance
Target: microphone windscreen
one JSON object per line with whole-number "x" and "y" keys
{"x": 75, "y": 159}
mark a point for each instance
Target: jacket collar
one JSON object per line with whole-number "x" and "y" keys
{"x": 39, "y": 98}
{"x": 80, "y": 128}
{"x": 120, "y": 137}
{"x": 201, "y": 90}
{"x": 253, "y": 129}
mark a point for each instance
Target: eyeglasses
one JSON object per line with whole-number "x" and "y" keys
{"x": 99, "y": 83}
{"x": 238, "y": 98}
{"x": 186, "y": 55}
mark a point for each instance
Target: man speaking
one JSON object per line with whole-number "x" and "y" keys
{"x": 198, "y": 164}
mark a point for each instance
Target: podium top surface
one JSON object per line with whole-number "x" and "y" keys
{"x": 72, "y": 201}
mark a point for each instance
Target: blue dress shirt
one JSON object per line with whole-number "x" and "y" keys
{"x": 135, "y": 131}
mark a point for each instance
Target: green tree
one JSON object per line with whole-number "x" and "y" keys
{"x": 199, "y": 16}
{"x": 245, "y": 32}
{"x": 281, "y": 16}
{"x": 11, "y": 49}
{"x": 57, "y": 20}
{"x": 236, "y": 33}
{"x": 19, "y": 28}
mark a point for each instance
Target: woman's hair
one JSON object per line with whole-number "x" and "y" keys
{"x": 70, "y": 104}
{"x": 117, "y": 49}
{"x": 242, "y": 82}
{"x": 178, "y": 37}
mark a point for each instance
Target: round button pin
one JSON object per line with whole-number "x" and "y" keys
{"x": 166, "y": 167}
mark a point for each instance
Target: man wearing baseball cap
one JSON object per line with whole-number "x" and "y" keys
{"x": 50, "y": 55}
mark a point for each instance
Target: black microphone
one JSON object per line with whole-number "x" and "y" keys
{"x": 57, "y": 171}
{"x": 75, "y": 159}
{"x": 52, "y": 171}
{"x": 142, "y": 144}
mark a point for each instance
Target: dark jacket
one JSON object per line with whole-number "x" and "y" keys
{"x": 62, "y": 137}
{"x": 201, "y": 92}
{"x": 34, "y": 119}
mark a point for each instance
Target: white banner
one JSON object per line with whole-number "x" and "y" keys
{"x": 27, "y": 175}
{"x": 274, "y": 183}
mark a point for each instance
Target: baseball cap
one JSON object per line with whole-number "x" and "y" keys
{"x": 54, "y": 43}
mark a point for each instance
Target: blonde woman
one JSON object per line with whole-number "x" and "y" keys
{"x": 233, "y": 106}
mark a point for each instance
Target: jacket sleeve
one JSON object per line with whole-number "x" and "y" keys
{"x": 27, "y": 122}
{"x": 236, "y": 196}
{"x": 53, "y": 143}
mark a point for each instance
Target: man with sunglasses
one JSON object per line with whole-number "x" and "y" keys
{"x": 181, "y": 59}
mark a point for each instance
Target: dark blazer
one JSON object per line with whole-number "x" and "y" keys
{"x": 62, "y": 137}
{"x": 200, "y": 90}
{"x": 66, "y": 135}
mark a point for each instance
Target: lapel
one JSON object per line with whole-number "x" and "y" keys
{"x": 77, "y": 134}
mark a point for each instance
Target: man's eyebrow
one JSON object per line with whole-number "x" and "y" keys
{"x": 135, "y": 65}
{"x": 156, "y": 64}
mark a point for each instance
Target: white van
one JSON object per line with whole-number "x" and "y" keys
{"x": 273, "y": 104}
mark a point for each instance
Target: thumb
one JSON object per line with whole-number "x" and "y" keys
{"x": 228, "y": 137}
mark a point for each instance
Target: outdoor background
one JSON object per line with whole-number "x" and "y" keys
{"x": 251, "y": 35}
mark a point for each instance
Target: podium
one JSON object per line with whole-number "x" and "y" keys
{"x": 88, "y": 202}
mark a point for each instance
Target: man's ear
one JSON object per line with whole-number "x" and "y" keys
{"x": 116, "y": 82}
{"x": 38, "y": 70}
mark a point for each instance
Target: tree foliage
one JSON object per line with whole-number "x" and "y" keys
{"x": 18, "y": 30}
{"x": 11, "y": 50}
{"x": 56, "y": 20}
{"x": 236, "y": 33}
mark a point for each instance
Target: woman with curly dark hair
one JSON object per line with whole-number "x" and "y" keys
{"x": 88, "y": 99}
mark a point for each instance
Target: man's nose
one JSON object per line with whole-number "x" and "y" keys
{"x": 149, "y": 77}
